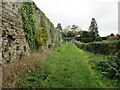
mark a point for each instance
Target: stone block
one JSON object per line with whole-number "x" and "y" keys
{"x": 17, "y": 41}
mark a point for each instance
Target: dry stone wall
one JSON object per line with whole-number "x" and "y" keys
{"x": 14, "y": 43}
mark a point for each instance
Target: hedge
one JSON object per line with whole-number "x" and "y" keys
{"x": 86, "y": 40}
{"x": 101, "y": 47}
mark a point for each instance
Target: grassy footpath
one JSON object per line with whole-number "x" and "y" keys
{"x": 66, "y": 67}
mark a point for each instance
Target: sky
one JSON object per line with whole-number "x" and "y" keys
{"x": 80, "y": 12}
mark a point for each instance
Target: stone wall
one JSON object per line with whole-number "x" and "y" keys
{"x": 56, "y": 31}
{"x": 14, "y": 43}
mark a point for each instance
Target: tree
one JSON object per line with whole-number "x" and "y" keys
{"x": 68, "y": 28}
{"x": 91, "y": 34}
{"x": 118, "y": 35}
{"x": 85, "y": 34}
{"x": 112, "y": 34}
{"x": 70, "y": 34}
{"x": 59, "y": 26}
{"x": 80, "y": 32}
{"x": 93, "y": 27}
{"x": 74, "y": 28}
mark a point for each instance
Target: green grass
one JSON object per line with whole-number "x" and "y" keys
{"x": 67, "y": 67}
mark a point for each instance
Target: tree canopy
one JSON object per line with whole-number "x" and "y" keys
{"x": 93, "y": 27}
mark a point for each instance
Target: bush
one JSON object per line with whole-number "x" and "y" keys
{"x": 104, "y": 38}
{"x": 40, "y": 37}
{"x": 77, "y": 38}
{"x": 101, "y": 47}
{"x": 86, "y": 40}
{"x": 110, "y": 67}
{"x": 98, "y": 38}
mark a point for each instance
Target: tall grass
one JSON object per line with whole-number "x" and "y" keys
{"x": 12, "y": 72}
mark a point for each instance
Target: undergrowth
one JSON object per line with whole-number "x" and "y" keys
{"x": 14, "y": 73}
{"x": 109, "y": 67}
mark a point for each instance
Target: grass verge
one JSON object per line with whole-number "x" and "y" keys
{"x": 67, "y": 67}
{"x": 12, "y": 72}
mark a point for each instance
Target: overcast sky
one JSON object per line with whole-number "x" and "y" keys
{"x": 80, "y": 12}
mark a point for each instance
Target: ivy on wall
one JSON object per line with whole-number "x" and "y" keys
{"x": 52, "y": 32}
{"x": 43, "y": 26}
{"x": 59, "y": 36}
{"x": 40, "y": 37}
{"x": 29, "y": 23}
{"x": 36, "y": 37}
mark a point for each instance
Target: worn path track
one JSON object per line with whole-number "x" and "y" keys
{"x": 70, "y": 67}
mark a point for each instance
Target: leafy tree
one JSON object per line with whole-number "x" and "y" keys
{"x": 70, "y": 34}
{"x": 93, "y": 27}
{"x": 65, "y": 30}
{"x": 74, "y": 28}
{"x": 85, "y": 34}
{"x": 118, "y": 35}
{"x": 112, "y": 34}
{"x": 80, "y": 32}
{"x": 68, "y": 28}
{"x": 91, "y": 34}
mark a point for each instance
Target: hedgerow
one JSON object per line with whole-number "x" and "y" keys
{"x": 86, "y": 40}
{"x": 101, "y": 47}
{"x": 110, "y": 66}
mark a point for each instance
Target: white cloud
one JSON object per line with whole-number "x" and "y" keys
{"x": 80, "y": 12}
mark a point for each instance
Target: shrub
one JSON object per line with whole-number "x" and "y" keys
{"x": 86, "y": 40}
{"x": 71, "y": 34}
{"x": 98, "y": 38}
{"x": 86, "y": 34}
{"x": 101, "y": 47}
{"x": 104, "y": 38}
{"x": 110, "y": 66}
{"x": 40, "y": 37}
{"x": 77, "y": 38}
